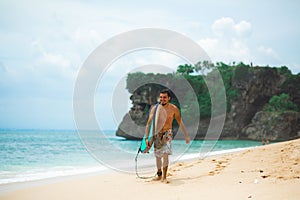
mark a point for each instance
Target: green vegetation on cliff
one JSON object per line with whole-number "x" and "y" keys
{"x": 281, "y": 104}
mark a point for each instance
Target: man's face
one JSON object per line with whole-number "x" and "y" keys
{"x": 164, "y": 98}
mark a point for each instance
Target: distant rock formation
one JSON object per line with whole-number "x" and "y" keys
{"x": 272, "y": 126}
{"x": 245, "y": 118}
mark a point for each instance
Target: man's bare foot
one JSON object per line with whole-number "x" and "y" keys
{"x": 156, "y": 178}
{"x": 165, "y": 181}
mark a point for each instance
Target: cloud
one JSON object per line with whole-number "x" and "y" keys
{"x": 243, "y": 29}
{"x": 269, "y": 52}
{"x": 50, "y": 59}
{"x": 295, "y": 68}
{"x": 230, "y": 41}
{"x": 54, "y": 65}
{"x": 86, "y": 37}
{"x": 268, "y": 56}
{"x": 226, "y": 27}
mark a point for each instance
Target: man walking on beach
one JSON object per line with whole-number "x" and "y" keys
{"x": 163, "y": 136}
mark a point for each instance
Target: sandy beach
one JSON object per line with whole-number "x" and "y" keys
{"x": 265, "y": 172}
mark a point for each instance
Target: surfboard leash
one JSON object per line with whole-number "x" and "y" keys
{"x": 136, "y": 168}
{"x": 139, "y": 150}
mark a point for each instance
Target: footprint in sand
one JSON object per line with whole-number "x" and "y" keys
{"x": 211, "y": 173}
{"x": 220, "y": 165}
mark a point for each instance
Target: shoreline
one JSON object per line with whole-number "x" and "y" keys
{"x": 262, "y": 172}
{"x": 15, "y": 186}
{"x": 102, "y": 169}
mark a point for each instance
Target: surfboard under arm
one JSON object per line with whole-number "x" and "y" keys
{"x": 143, "y": 147}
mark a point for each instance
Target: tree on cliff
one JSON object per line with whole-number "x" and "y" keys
{"x": 185, "y": 69}
{"x": 280, "y": 103}
{"x": 203, "y": 66}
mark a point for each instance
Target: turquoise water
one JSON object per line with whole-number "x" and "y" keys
{"x": 37, "y": 154}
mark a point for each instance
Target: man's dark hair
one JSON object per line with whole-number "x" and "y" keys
{"x": 165, "y": 91}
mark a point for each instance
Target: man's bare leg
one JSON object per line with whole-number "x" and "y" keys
{"x": 165, "y": 168}
{"x": 159, "y": 172}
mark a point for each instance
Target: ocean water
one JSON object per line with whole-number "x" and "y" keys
{"x": 27, "y": 155}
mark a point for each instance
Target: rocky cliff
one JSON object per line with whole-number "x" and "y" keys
{"x": 244, "y": 119}
{"x": 273, "y": 126}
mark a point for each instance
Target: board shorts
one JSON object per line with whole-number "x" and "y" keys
{"x": 163, "y": 143}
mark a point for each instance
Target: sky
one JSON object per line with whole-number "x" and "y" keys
{"x": 43, "y": 45}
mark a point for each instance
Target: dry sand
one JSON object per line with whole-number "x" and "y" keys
{"x": 266, "y": 172}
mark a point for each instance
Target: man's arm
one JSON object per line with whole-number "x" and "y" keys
{"x": 181, "y": 124}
